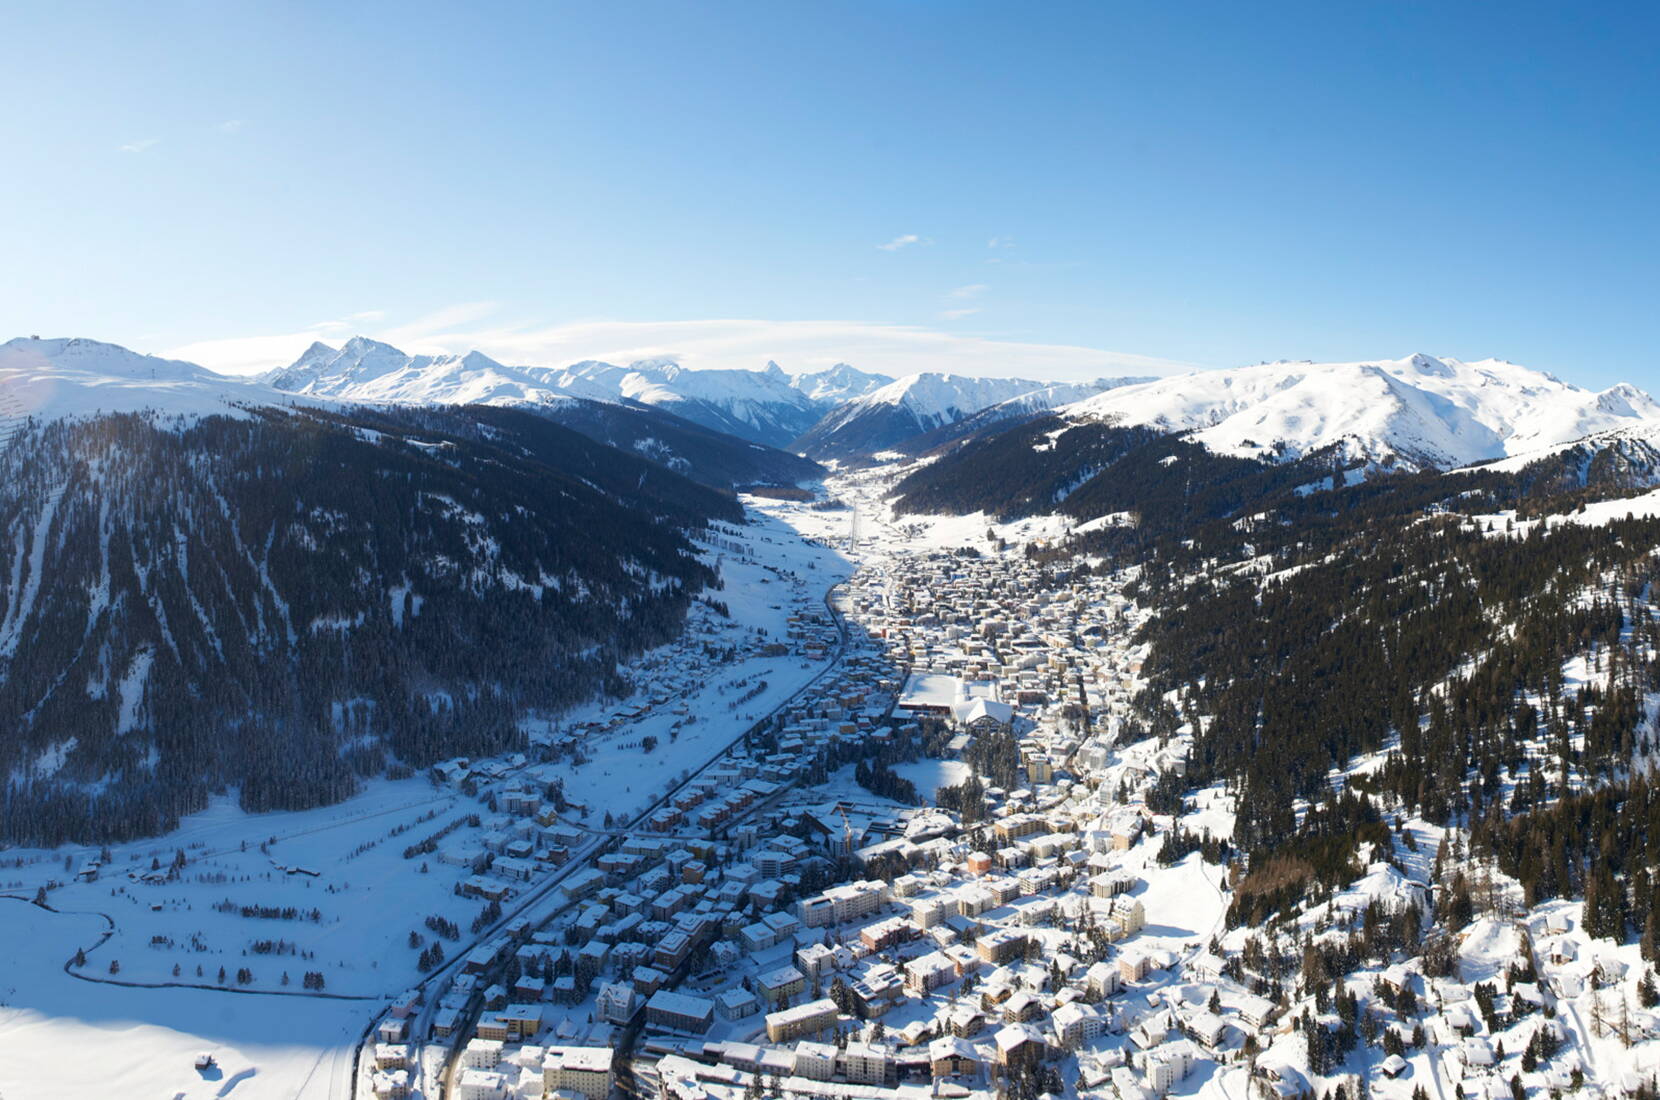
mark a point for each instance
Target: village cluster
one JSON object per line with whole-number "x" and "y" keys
{"x": 776, "y": 928}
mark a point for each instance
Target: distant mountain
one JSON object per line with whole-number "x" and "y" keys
{"x": 768, "y": 406}
{"x": 1417, "y": 413}
{"x": 369, "y": 372}
{"x": 760, "y": 406}
{"x": 836, "y": 384}
{"x": 888, "y": 417}
{"x": 1000, "y": 416}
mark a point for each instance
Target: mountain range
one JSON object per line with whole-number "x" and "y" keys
{"x": 767, "y": 406}
{"x": 1419, "y": 412}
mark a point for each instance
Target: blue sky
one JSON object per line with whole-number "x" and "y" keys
{"x": 1065, "y": 189}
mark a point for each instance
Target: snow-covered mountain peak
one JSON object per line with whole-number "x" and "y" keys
{"x": 1419, "y": 411}
{"x": 837, "y": 383}
{"x": 943, "y": 397}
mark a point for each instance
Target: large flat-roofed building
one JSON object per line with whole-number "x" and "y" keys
{"x": 680, "y": 1012}
{"x": 840, "y": 904}
{"x": 580, "y": 1069}
{"x": 808, "y": 1019}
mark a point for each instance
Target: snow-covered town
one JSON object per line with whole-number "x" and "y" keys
{"x": 857, "y": 551}
{"x": 883, "y": 823}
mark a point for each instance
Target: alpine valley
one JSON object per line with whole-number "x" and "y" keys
{"x": 1279, "y": 731}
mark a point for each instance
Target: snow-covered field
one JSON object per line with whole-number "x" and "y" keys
{"x": 60, "y": 1036}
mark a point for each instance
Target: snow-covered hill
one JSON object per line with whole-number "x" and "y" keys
{"x": 51, "y": 379}
{"x": 1416, "y": 412}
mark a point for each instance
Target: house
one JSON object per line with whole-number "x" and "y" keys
{"x": 1021, "y": 1007}
{"x": 390, "y": 1084}
{"x": 1208, "y": 1030}
{"x": 965, "y": 1022}
{"x": 1077, "y": 1023}
{"x": 1256, "y": 1011}
{"x": 616, "y": 1002}
{"x": 1103, "y": 979}
{"x": 950, "y": 1056}
{"x": 1019, "y": 1046}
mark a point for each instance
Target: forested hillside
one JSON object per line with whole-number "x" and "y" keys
{"x": 1492, "y": 666}
{"x": 282, "y": 602}
{"x": 692, "y": 450}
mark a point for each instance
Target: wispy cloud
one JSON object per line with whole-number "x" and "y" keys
{"x": 140, "y": 145}
{"x": 457, "y": 318}
{"x": 1000, "y": 242}
{"x": 959, "y": 314}
{"x": 905, "y": 240}
{"x": 230, "y": 126}
{"x": 972, "y": 290}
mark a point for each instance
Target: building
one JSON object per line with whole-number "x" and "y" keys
{"x": 1130, "y": 913}
{"x": 815, "y": 1061}
{"x": 1019, "y": 1046}
{"x": 884, "y": 934}
{"x": 616, "y": 1002}
{"x": 778, "y": 986}
{"x": 840, "y": 904}
{"x": 866, "y": 1063}
{"x": 680, "y": 1012}
{"x": 512, "y": 1024}
{"x": 950, "y": 1056}
{"x": 579, "y": 1069}
{"x": 807, "y": 1019}
{"x": 1000, "y": 945}
{"x": 481, "y": 1054}
{"x": 1077, "y": 1023}
{"x": 736, "y": 1003}
{"x": 481, "y": 1084}
{"x": 1166, "y": 1065}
